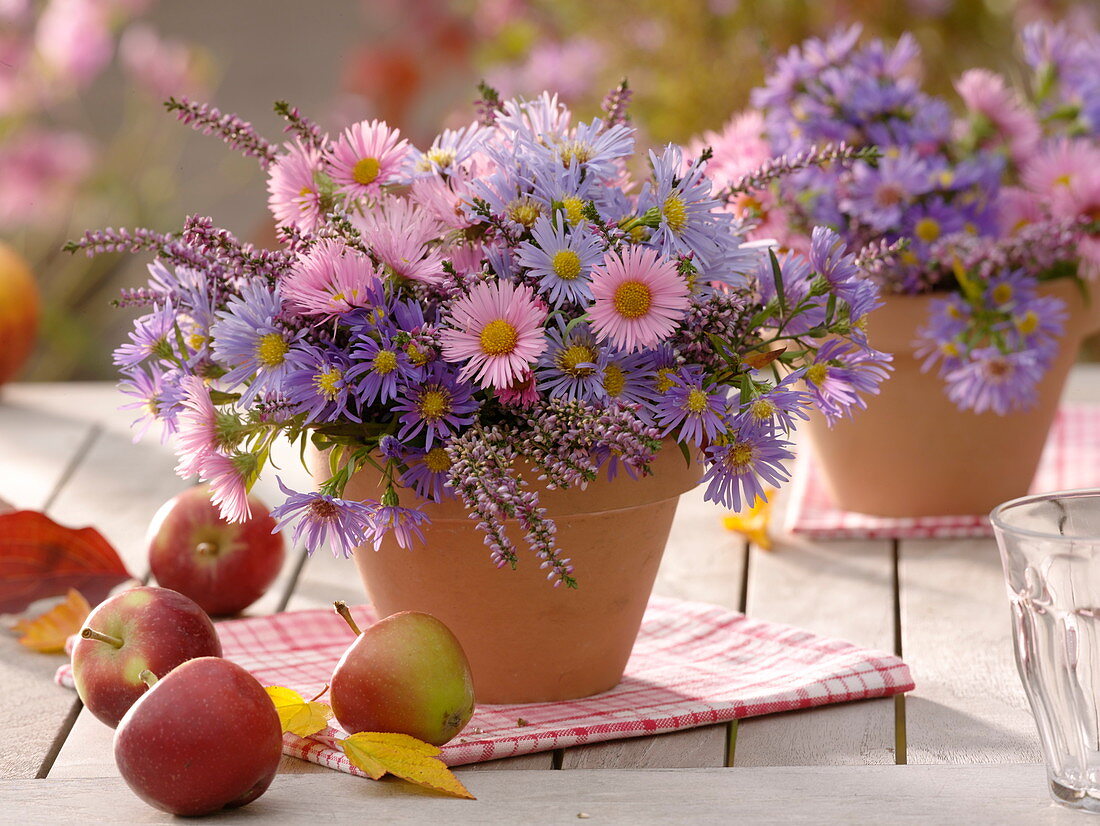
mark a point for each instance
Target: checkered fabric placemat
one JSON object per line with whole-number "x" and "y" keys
{"x": 693, "y": 664}
{"x": 1070, "y": 460}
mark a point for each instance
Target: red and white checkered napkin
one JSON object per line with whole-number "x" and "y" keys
{"x": 693, "y": 664}
{"x": 1071, "y": 459}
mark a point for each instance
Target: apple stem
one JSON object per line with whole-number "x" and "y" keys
{"x": 321, "y": 694}
{"x": 343, "y": 610}
{"x": 206, "y": 549}
{"x": 92, "y": 634}
{"x": 148, "y": 677}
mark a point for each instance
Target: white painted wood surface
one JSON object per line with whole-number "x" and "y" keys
{"x": 68, "y": 446}
{"x": 973, "y": 795}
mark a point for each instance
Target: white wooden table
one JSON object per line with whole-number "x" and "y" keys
{"x": 960, "y": 748}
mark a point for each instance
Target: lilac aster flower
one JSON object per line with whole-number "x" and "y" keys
{"x": 436, "y": 405}
{"x": 158, "y": 396}
{"x": 594, "y": 148}
{"x": 829, "y": 257}
{"x": 561, "y": 260}
{"x": 736, "y": 468}
{"x": 426, "y": 473}
{"x": 699, "y": 414}
{"x": 570, "y": 367}
{"x": 991, "y": 380}
{"x": 450, "y": 149}
{"x": 323, "y": 519}
{"x": 841, "y": 371}
{"x": 153, "y": 337}
{"x": 777, "y": 408}
{"x": 404, "y": 523}
{"x": 878, "y": 195}
{"x": 382, "y": 367}
{"x": 627, "y": 379}
{"x": 318, "y": 385}
{"x": 250, "y": 344}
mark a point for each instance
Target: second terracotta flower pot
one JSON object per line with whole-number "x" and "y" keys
{"x": 912, "y": 452}
{"x": 528, "y": 641}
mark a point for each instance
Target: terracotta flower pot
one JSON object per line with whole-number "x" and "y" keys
{"x": 912, "y": 452}
{"x": 528, "y": 641}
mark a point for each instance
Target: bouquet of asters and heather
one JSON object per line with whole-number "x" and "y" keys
{"x": 513, "y": 291}
{"x": 985, "y": 208}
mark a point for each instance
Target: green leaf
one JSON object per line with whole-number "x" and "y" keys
{"x": 777, "y": 277}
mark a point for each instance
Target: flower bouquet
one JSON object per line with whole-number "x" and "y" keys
{"x": 512, "y": 311}
{"x": 991, "y": 219}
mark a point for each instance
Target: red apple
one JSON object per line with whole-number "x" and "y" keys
{"x": 143, "y": 629}
{"x": 223, "y": 566}
{"x": 407, "y": 673}
{"x": 18, "y": 312}
{"x": 203, "y": 738}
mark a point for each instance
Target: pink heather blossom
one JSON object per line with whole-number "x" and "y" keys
{"x": 366, "y": 157}
{"x": 639, "y": 296}
{"x": 74, "y": 39}
{"x": 294, "y": 198}
{"x": 228, "y": 489}
{"x": 329, "y": 280}
{"x": 163, "y": 68}
{"x": 196, "y": 427}
{"x": 498, "y": 329}
{"x": 398, "y": 233}
{"x": 984, "y": 93}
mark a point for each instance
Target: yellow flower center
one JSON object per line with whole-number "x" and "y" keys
{"x": 1029, "y": 323}
{"x": 947, "y": 178}
{"x": 440, "y": 157}
{"x": 437, "y": 460}
{"x": 1002, "y": 293}
{"x": 762, "y": 410}
{"x": 817, "y": 373}
{"x": 434, "y": 404}
{"x": 384, "y": 361}
{"x": 614, "y": 380}
{"x": 328, "y": 383}
{"x": 305, "y": 190}
{"x": 739, "y": 459}
{"x": 151, "y": 406}
{"x": 366, "y": 171}
{"x": 632, "y": 299}
{"x": 574, "y": 209}
{"x": 696, "y": 400}
{"x": 271, "y": 349}
{"x": 949, "y": 348}
{"x": 417, "y": 356}
{"x": 927, "y": 230}
{"x": 196, "y": 340}
{"x": 954, "y": 311}
{"x": 1063, "y": 180}
{"x": 666, "y": 379}
{"x": 567, "y": 360}
{"x": 567, "y": 265}
{"x": 578, "y": 150}
{"x": 639, "y": 234}
{"x": 524, "y": 211}
{"x": 675, "y": 212}
{"x": 498, "y": 338}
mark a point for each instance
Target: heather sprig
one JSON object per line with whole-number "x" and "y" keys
{"x": 783, "y": 166}
{"x": 237, "y": 133}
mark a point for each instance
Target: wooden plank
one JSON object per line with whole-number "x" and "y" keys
{"x": 37, "y": 450}
{"x": 838, "y": 589}
{"x": 977, "y": 795}
{"x": 969, "y": 705}
{"x": 703, "y": 562}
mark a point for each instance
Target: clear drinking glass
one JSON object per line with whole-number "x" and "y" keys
{"x": 1050, "y": 548}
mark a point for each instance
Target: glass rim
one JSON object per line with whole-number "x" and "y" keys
{"x": 997, "y": 520}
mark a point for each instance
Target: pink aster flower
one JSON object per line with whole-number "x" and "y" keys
{"x": 228, "y": 486}
{"x": 399, "y": 233}
{"x": 1016, "y": 208}
{"x": 295, "y": 199}
{"x": 639, "y": 296}
{"x": 196, "y": 427}
{"x": 985, "y": 94}
{"x": 331, "y": 279}
{"x": 497, "y": 329}
{"x": 366, "y": 157}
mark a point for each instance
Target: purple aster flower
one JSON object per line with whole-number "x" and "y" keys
{"x": 736, "y": 468}
{"x": 564, "y": 187}
{"x": 665, "y": 365}
{"x": 318, "y": 384}
{"x": 322, "y": 519}
{"x": 628, "y": 379}
{"x": 879, "y": 195}
{"x": 777, "y": 408}
{"x": 929, "y": 221}
{"x": 382, "y": 367}
{"x": 991, "y": 380}
{"x": 830, "y": 259}
{"x": 561, "y": 260}
{"x": 594, "y": 147}
{"x": 158, "y": 395}
{"x": 153, "y": 337}
{"x": 570, "y": 366}
{"x": 426, "y": 473}
{"x": 404, "y": 523}
{"x": 249, "y": 342}
{"x": 840, "y": 372}
{"x": 436, "y": 405}
{"x": 450, "y": 149}
{"x": 699, "y": 414}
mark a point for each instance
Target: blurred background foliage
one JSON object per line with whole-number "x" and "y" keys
{"x": 414, "y": 63}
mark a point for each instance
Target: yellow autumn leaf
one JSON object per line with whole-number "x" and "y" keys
{"x": 753, "y": 523}
{"x": 298, "y": 715}
{"x": 377, "y": 753}
{"x": 47, "y": 633}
